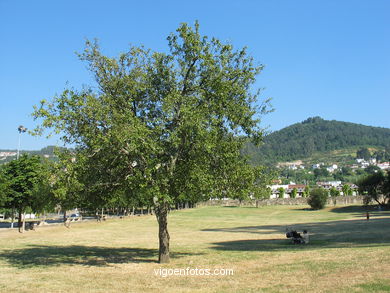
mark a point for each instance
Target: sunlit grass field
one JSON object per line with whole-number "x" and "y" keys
{"x": 346, "y": 253}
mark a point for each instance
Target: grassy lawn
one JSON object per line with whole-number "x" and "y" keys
{"x": 346, "y": 253}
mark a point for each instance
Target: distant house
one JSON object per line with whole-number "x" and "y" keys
{"x": 300, "y": 189}
{"x": 330, "y": 184}
{"x": 275, "y": 190}
{"x": 384, "y": 165}
{"x": 288, "y": 188}
{"x": 317, "y": 166}
{"x": 332, "y": 168}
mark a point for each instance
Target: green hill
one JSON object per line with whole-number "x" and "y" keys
{"x": 316, "y": 136}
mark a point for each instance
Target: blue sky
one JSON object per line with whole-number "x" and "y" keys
{"x": 327, "y": 58}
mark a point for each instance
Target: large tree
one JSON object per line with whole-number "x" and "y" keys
{"x": 163, "y": 127}
{"x": 376, "y": 187}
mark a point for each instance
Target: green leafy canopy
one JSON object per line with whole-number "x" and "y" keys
{"x": 166, "y": 125}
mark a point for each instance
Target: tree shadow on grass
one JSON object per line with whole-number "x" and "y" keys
{"x": 284, "y": 245}
{"x": 361, "y": 210}
{"x": 357, "y": 211}
{"x": 41, "y": 255}
{"x": 331, "y": 234}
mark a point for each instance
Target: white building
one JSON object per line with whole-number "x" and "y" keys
{"x": 317, "y": 166}
{"x": 332, "y": 168}
{"x": 384, "y": 165}
{"x": 275, "y": 190}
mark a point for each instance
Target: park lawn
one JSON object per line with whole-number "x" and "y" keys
{"x": 346, "y": 253}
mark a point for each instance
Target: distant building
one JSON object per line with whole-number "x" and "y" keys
{"x": 329, "y": 184}
{"x": 299, "y": 187}
{"x": 275, "y": 190}
{"x": 332, "y": 168}
{"x": 288, "y": 188}
{"x": 317, "y": 166}
{"x": 7, "y": 154}
{"x": 384, "y": 165}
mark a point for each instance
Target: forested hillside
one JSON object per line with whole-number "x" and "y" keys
{"x": 301, "y": 140}
{"x": 298, "y": 141}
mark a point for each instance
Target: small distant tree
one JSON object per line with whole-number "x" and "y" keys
{"x": 372, "y": 169}
{"x": 294, "y": 193}
{"x": 306, "y": 191}
{"x": 25, "y": 179}
{"x": 334, "y": 193}
{"x": 321, "y": 172}
{"x": 261, "y": 187}
{"x": 347, "y": 190}
{"x": 363, "y": 153}
{"x": 281, "y": 192}
{"x": 317, "y": 199}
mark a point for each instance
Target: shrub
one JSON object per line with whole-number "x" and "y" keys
{"x": 281, "y": 192}
{"x": 317, "y": 198}
{"x": 294, "y": 193}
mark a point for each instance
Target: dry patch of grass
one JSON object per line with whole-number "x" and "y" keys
{"x": 346, "y": 253}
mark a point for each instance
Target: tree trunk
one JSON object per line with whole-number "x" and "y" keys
{"x": 161, "y": 212}
{"x": 24, "y": 222}
{"x": 21, "y": 222}
{"x": 13, "y": 217}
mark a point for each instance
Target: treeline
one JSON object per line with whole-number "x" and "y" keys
{"x": 301, "y": 140}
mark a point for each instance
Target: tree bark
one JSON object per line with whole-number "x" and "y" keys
{"x": 161, "y": 212}
{"x": 20, "y": 222}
